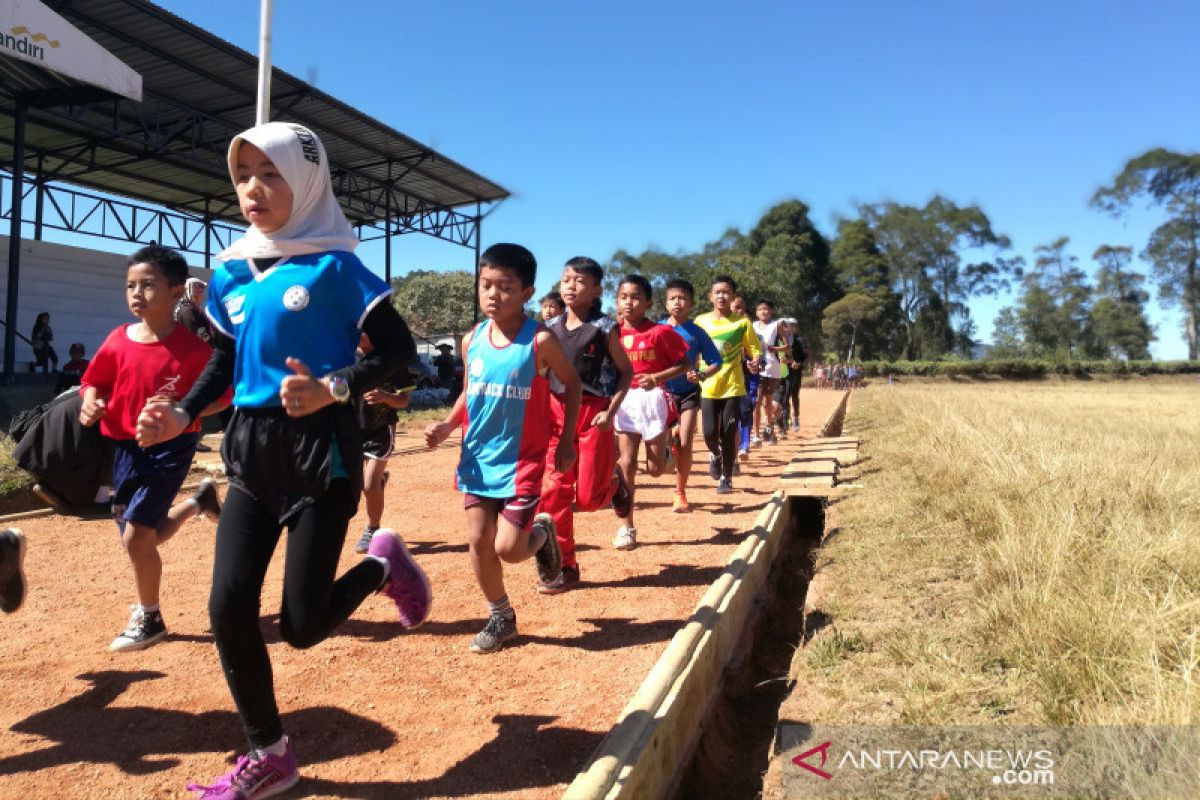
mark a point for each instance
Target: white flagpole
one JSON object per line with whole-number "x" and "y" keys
{"x": 264, "y": 64}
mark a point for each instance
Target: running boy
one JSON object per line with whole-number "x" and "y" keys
{"x": 378, "y": 411}
{"x": 657, "y": 354}
{"x": 592, "y": 343}
{"x": 765, "y": 407}
{"x": 552, "y": 306}
{"x": 154, "y": 358}
{"x": 685, "y": 389}
{"x": 504, "y": 412}
{"x": 288, "y": 305}
{"x": 721, "y": 394}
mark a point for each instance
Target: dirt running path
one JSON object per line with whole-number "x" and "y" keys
{"x": 373, "y": 712}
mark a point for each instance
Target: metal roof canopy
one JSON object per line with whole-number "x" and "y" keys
{"x": 169, "y": 150}
{"x": 199, "y": 91}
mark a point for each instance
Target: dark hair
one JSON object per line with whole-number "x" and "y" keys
{"x": 168, "y": 262}
{"x": 641, "y": 283}
{"x": 766, "y": 303}
{"x": 76, "y": 346}
{"x": 514, "y": 257}
{"x": 587, "y": 266}
{"x": 553, "y": 297}
{"x": 683, "y": 286}
{"x": 725, "y": 279}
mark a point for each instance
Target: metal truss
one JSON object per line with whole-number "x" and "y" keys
{"x": 171, "y": 132}
{"x": 66, "y": 209}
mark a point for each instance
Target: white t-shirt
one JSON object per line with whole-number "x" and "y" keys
{"x": 769, "y": 333}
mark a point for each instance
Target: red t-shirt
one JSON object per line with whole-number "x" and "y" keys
{"x": 652, "y": 346}
{"x": 128, "y": 373}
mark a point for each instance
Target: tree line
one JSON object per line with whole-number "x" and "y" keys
{"x": 896, "y": 281}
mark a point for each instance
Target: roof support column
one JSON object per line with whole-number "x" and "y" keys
{"x": 475, "y": 287}
{"x": 14, "y": 240}
{"x": 39, "y": 198}
{"x": 387, "y": 228}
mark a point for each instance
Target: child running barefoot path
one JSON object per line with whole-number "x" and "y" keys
{"x": 289, "y": 304}
{"x": 153, "y": 359}
{"x": 504, "y": 412}
{"x": 657, "y": 354}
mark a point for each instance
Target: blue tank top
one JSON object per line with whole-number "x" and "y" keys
{"x": 507, "y": 418}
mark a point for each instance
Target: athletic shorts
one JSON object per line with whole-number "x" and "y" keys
{"x": 687, "y": 402}
{"x": 379, "y": 443}
{"x": 644, "y": 412}
{"x": 145, "y": 482}
{"x": 768, "y": 386}
{"x": 519, "y": 510}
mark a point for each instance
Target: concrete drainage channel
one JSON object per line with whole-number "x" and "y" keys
{"x": 737, "y": 735}
{"x": 701, "y": 724}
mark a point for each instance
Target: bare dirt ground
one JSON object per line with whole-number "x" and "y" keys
{"x": 374, "y": 712}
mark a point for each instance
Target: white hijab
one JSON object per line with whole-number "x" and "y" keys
{"x": 317, "y": 223}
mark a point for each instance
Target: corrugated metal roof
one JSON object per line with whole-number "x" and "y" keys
{"x": 200, "y": 90}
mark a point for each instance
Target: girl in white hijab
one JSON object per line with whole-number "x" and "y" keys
{"x": 289, "y": 306}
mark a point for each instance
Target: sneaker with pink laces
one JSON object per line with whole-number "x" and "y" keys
{"x": 407, "y": 584}
{"x": 256, "y": 775}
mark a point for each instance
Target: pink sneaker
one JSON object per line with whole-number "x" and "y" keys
{"x": 407, "y": 583}
{"x": 256, "y": 775}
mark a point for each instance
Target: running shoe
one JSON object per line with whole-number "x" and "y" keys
{"x": 725, "y": 486}
{"x": 756, "y": 441}
{"x": 364, "y": 541}
{"x": 769, "y": 436}
{"x": 680, "y": 504}
{"x": 744, "y": 454}
{"x": 548, "y": 557}
{"x": 207, "y": 499}
{"x": 12, "y": 570}
{"x": 796, "y": 426}
{"x": 714, "y": 467}
{"x": 566, "y": 580}
{"x": 622, "y": 500}
{"x": 256, "y": 775}
{"x": 144, "y": 629}
{"x": 626, "y": 538}
{"x": 498, "y": 630}
{"x": 407, "y": 584}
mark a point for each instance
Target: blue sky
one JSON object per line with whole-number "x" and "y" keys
{"x": 629, "y": 125}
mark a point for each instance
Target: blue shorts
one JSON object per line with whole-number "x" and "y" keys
{"x": 145, "y": 482}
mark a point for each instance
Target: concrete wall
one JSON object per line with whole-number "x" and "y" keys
{"x": 84, "y": 291}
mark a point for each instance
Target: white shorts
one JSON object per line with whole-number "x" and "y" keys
{"x": 643, "y": 411}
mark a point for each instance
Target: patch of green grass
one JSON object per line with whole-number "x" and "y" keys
{"x": 12, "y": 478}
{"x": 827, "y": 651}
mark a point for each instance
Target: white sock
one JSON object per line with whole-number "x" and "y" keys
{"x": 150, "y": 609}
{"x": 192, "y": 502}
{"x": 501, "y": 608}
{"x": 277, "y": 749}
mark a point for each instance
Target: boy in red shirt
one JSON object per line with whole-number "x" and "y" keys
{"x": 657, "y": 354}
{"x": 155, "y": 358}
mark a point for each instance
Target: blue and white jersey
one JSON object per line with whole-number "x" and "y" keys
{"x": 699, "y": 343}
{"x": 506, "y": 422}
{"x": 309, "y": 307}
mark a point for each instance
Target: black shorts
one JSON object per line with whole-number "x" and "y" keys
{"x": 688, "y": 401}
{"x": 379, "y": 443}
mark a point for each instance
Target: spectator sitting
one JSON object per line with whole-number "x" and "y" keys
{"x": 72, "y": 371}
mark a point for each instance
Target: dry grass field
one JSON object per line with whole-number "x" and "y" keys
{"x": 1024, "y": 553}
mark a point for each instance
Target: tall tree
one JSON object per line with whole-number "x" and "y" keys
{"x": 843, "y": 318}
{"x": 1059, "y": 314}
{"x": 436, "y": 303}
{"x": 1118, "y": 316}
{"x": 1007, "y": 338}
{"x": 862, "y": 269}
{"x": 1170, "y": 181}
{"x": 925, "y": 249}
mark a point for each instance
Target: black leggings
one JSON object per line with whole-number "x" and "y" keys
{"x": 314, "y": 604}
{"x": 793, "y": 394}
{"x": 719, "y": 421}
